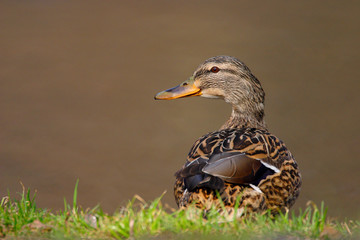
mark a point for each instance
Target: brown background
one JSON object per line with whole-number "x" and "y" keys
{"x": 77, "y": 81}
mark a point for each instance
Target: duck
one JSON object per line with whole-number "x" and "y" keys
{"x": 241, "y": 168}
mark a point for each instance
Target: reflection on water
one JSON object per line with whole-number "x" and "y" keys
{"x": 77, "y": 85}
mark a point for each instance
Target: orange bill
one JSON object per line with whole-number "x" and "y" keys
{"x": 185, "y": 89}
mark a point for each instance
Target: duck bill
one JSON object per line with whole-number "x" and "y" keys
{"x": 185, "y": 89}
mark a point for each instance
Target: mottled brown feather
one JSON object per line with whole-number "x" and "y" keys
{"x": 279, "y": 190}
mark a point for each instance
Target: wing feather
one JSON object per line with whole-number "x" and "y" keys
{"x": 233, "y": 167}
{"x": 239, "y": 156}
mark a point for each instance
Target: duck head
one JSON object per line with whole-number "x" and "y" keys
{"x": 226, "y": 78}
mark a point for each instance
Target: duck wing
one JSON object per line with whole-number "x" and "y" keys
{"x": 233, "y": 167}
{"x": 238, "y": 157}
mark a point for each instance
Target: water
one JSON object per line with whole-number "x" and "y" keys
{"x": 77, "y": 82}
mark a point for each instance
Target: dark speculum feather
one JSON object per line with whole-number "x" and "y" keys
{"x": 193, "y": 181}
{"x": 261, "y": 174}
{"x": 203, "y": 181}
{"x": 192, "y": 168}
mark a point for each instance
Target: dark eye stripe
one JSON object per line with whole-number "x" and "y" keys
{"x": 201, "y": 72}
{"x": 229, "y": 71}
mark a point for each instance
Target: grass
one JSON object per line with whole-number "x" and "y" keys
{"x": 141, "y": 220}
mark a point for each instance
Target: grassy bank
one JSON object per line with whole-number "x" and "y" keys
{"x": 141, "y": 220}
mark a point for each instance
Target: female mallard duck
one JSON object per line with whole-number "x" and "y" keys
{"x": 241, "y": 161}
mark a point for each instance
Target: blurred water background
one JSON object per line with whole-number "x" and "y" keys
{"x": 77, "y": 80}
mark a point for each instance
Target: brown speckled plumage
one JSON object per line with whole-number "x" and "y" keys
{"x": 242, "y": 160}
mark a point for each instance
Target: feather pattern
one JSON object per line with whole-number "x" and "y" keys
{"x": 264, "y": 168}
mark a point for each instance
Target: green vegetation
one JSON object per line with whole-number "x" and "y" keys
{"x": 21, "y": 218}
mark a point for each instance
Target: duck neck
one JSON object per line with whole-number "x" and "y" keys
{"x": 243, "y": 117}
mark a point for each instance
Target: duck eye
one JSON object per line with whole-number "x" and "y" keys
{"x": 215, "y": 69}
